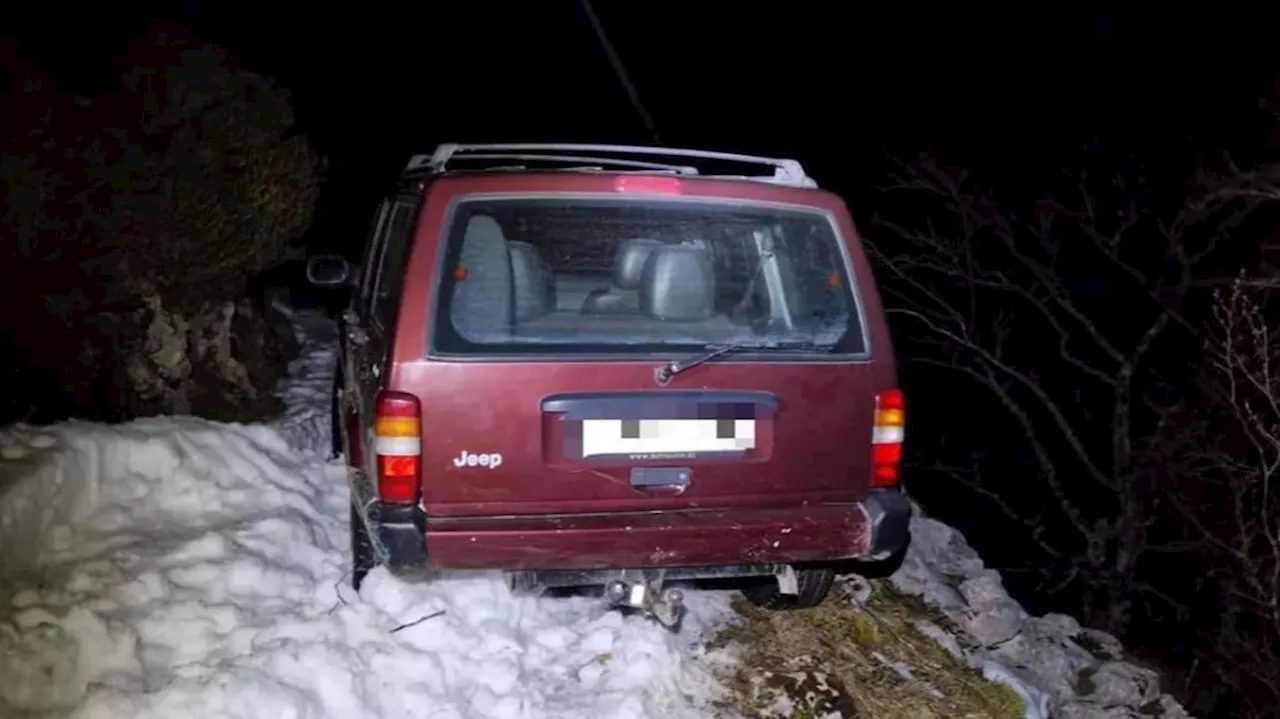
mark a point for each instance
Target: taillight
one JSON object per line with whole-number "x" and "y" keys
{"x": 397, "y": 445}
{"x": 886, "y": 438}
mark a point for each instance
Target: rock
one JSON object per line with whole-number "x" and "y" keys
{"x": 985, "y": 591}
{"x": 994, "y": 617}
{"x": 859, "y": 589}
{"x": 1055, "y": 626}
{"x": 913, "y": 577}
{"x": 1081, "y": 710}
{"x": 1166, "y": 707}
{"x": 157, "y": 370}
{"x": 166, "y": 343}
{"x": 918, "y": 579}
{"x": 1118, "y": 683}
{"x": 220, "y": 361}
{"x": 1035, "y": 701}
{"x": 1100, "y": 644}
{"x": 211, "y": 341}
{"x": 1055, "y": 667}
{"x": 1078, "y": 671}
{"x": 994, "y": 626}
{"x": 944, "y": 598}
{"x": 943, "y": 549}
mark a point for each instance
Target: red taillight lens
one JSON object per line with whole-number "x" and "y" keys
{"x": 647, "y": 184}
{"x": 886, "y": 438}
{"x": 397, "y": 443}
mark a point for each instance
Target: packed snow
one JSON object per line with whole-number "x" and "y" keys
{"x": 178, "y": 567}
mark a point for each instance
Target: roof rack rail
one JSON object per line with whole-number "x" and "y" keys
{"x": 582, "y": 161}
{"x": 785, "y": 171}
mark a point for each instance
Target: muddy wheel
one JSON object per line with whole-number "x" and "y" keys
{"x": 362, "y": 557}
{"x": 813, "y": 585}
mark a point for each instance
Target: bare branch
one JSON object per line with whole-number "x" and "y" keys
{"x": 999, "y": 299}
{"x": 1232, "y": 458}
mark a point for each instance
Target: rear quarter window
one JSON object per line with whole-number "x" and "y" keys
{"x": 391, "y": 267}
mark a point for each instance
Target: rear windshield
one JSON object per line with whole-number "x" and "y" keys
{"x": 608, "y": 276}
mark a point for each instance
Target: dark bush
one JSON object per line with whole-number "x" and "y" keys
{"x": 135, "y": 220}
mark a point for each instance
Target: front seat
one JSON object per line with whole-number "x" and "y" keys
{"x": 679, "y": 285}
{"x": 628, "y": 271}
{"x": 532, "y": 283}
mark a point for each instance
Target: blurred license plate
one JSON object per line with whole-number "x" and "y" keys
{"x": 666, "y": 436}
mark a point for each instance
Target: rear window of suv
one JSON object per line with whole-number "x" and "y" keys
{"x": 579, "y": 275}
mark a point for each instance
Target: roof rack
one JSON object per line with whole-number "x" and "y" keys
{"x": 785, "y": 171}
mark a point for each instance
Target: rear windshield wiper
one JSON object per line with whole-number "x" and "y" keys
{"x": 675, "y": 367}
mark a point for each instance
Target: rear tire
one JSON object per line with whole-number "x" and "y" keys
{"x": 362, "y": 557}
{"x": 335, "y": 417}
{"x": 813, "y": 585}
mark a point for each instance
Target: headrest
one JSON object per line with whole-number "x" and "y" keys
{"x": 481, "y": 306}
{"x": 628, "y": 263}
{"x": 679, "y": 284}
{"x": 531, "y": 281}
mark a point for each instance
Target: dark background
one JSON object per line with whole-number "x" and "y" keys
{"x": 1011, "y": 91}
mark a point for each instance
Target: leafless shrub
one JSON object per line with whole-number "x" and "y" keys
{"x": 1140, "y": 386}
{"x": 1223, "y": 458}
{"x": 1026, "y": 308}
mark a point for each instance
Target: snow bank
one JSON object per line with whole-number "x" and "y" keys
{"x": 1058, "y": 668}
{"x": 177, "y": 567}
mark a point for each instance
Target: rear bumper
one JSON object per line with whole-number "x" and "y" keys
{"x": 889, "y": 512}
{"x": 871, "y": 529}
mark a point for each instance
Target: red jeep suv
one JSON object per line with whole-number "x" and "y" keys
{"x": 587, "y": 368}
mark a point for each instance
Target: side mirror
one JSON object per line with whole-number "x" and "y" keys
{"x": 328, "y": 270}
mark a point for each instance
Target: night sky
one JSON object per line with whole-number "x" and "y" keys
{"x": 1009, "y": 92}
{"x": 1013, "y": 93}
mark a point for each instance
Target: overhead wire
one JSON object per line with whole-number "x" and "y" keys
{"x": 620, "y": 70}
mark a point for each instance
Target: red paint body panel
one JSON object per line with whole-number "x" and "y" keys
{"x": 808, "y": 451}
{"x": 808, "y": 473}
{"x": 778, "y": 535}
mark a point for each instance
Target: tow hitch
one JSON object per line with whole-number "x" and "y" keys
{"x": 644, "y": 590}
{"x": 666, "y": 606}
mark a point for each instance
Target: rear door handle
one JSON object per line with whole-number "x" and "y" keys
{"x": 664, "y": 490}
{"x": 661, "y": 480}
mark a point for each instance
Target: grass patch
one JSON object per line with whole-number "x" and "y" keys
{"x": 839, "y": 660}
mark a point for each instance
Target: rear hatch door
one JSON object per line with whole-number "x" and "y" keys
{"x": 535, "y": 438}
{"x": 553, "y": 311}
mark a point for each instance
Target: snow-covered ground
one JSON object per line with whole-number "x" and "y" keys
{"x": 177, "y": 567}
